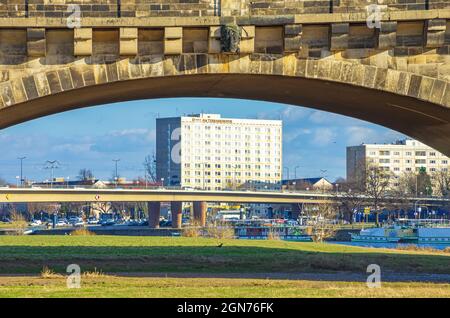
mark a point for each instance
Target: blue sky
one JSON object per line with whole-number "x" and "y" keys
{"x": 92, "y": 137}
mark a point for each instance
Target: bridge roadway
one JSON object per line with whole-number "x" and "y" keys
{"x": 16, "y": 195}
{"x": 154, "y": 197}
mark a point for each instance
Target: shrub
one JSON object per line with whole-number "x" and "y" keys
{"x": 273, "y": 235}
{"x": 93, "y": 274}
{"x": 191, "y": 232}
{"x": 18, "y": 222}
{"x": 414, "y": 247}
{"x": 220, "y": 232}
{"x": 82, "y": 232}
{"x": 48, "y": 273}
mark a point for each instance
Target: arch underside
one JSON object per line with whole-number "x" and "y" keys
{"x": 425, "y": 121}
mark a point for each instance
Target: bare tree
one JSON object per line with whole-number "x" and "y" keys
{"x": 98, "y": 208}
{"x": 415, "y": 183}
{"x": 400, "y": 192}
{"x": 3, "y": 182}
{"x": 407, "y": 183}
{"x": 423, "y": 182}
{"x": 85, "y": 174}
{"x": 351, "y": 202}
{"x": 150, "y": 167}
{"x": 351, "y": 196}
{"x": 441, "y": 182}
{"x": 37, "y": 207}
{"x": 377, "y": 183}
{"x": 325, "y": 215}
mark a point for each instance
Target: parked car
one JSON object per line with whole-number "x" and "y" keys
{"x": 108, "y": 222}
{"x": 78, "y": 222}
{"x": 35, "y": 223}
{"x": 93, "y": 221}
{"x": 72, "y": 220}
{"x": 61, "y": 223}
{"x": 133, "y": 223}
{"x": 165, "y": 223}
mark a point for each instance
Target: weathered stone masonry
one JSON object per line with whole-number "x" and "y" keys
{"x": 195, "y": 8}
{"x": 409, "y": 55}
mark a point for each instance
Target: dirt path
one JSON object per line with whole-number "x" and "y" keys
{"x": 335, "y": 276}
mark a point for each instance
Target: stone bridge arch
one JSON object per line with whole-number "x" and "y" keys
{"x": 397, "y": 75}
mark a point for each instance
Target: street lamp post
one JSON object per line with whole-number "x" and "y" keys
{"x": 287, "y": 176}
{"x": 295, "y": 172}
{"x": 21, "y": 169}
{"x": 116, "y": 176}
{"x": 53, "y": 164}
{"x": 145, "y": 178}
{"x": 417, "y": 176}
{"x": 415, "y": 209}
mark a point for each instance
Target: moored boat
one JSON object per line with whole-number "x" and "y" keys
{"x": 407, "y": 231}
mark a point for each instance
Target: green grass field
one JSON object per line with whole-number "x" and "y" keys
{"x": 196, "y": 258}
{"x": 108, "y": 286}
{"x": 112, "y": 254}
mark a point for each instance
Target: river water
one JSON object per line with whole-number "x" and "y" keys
{"x": 390, "y": 245}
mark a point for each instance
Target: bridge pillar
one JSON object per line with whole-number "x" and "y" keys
{"x": 154, "y": 210}
{"x": 200, "y": 212}
{"x": 295, "y": 211}
{"x": 176, "y": 210}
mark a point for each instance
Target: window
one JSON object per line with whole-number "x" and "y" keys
{"x": 421, "y": 153}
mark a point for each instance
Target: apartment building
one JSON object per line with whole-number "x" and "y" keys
{"x": 403, "y": 156}
{"x": 206, "y": 151}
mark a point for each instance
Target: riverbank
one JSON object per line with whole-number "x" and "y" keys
{"x": 113, "y": 254}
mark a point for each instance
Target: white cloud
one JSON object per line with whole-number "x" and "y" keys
{"x": 362, "y": 134}
{"x": 286, "y": 114}
{"x": 323, "y": 136}
{"x": 75, "y": 148}
{"x": 358, "y": 134}
{"x": 295, "y": 133}
{"x": 127, "y": 132}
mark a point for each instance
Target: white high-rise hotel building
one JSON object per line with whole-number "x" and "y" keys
{"x": 209, "y": 152}
{"x": 403, "y": 156}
